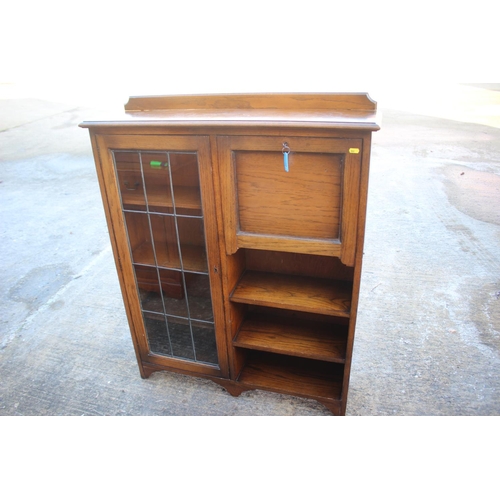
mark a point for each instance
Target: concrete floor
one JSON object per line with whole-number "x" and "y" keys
{"x": 428, "y": 336}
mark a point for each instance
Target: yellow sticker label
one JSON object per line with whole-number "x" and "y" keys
{"x": 354, "y": 150}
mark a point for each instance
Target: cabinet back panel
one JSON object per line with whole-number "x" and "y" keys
{"x": 317, "y": 266}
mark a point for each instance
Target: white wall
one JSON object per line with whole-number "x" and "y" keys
{"x": 108, "y": 50}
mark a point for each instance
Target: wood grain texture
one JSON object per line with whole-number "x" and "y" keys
{"x": 284, "y": 253}
{"x": 350, "y": 202}
{"x": 298, "y": 293}
{"x": 159, "y": 198}
{"x": 227, "y": 179}
{"x": 291, "y": 375}
{"x": 296, "y": 211}
{"x": 331, "y": 248}
{"x": 162, "y": 363}
{"x": 194, "y": 258}
{"x": 108, "y": 195}
{"x": 142, "y": 241}
{"x": 308, "y": 339}
{"x": 297, "y": 264}
{"x": 303, "y": 202}
{"x": 354, "y": 111}
{"x": 358, "y": 264}
{"x": 332, "y": 101}
{"x": 206, "y": 174}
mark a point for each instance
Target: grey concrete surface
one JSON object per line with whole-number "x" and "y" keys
{"x": 428, "y": 336}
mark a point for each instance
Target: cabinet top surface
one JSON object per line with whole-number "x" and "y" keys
{"x": 334, "y": 110}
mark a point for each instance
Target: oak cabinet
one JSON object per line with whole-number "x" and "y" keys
{"x": 237, "y": 225}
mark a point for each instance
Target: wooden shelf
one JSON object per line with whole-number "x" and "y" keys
{"x": 286, "y": 374}
{"x": 298, "y": 293}
{"x": 185, "y": 198}
{"x": 194, "y": 258}
{"x": 294, "y": 337}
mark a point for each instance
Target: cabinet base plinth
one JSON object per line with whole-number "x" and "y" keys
{"x": 235, "y": 388}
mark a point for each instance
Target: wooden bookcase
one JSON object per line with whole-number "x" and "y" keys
{"x": 237, "y": 225}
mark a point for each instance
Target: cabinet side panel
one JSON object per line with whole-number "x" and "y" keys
{"x": 361, "y": 221}
{"x": 116, "y": 229}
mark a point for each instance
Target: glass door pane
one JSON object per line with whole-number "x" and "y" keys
{"x": 186, "y": 184}
{"x": 161, "y": 203}
{"x": 131, "y": 184}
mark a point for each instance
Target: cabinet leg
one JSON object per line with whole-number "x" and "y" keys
{"x": 333, "y": 407}
{"x": 233, "y": 389}
{"x": 146, "y": 371}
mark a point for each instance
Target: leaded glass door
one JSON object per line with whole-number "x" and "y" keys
{"x": 163, "y": 211}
